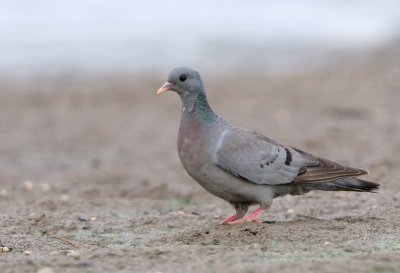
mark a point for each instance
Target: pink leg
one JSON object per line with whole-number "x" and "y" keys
{"x": 251, "y": 218}
{"x": 229, "y": 219}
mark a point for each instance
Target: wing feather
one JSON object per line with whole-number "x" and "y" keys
{"x": 321, "y": 169}
{"x": 255, "y": 158}
{"x": 260, "y": 160}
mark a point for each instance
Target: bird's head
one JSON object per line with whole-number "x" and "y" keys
{"x": 184, "y": 81}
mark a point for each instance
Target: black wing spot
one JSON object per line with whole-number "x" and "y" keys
{"x": 288, "y": 157}
{"x": 302, "y": 170}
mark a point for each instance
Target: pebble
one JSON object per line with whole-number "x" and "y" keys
{"x": 291, "y": 211}
{"x": 255, "y": 246}
{"x": 5, "y": 249}
{"x": 93, "y": 219}
{"x": 326, "y": 243}
{"x": 28, "y": 185}
{"x": 74, "y": 254}
{"x": 180, "y": 212}
{"x": 27, "y": 252}
{"x": 45, "y": 270}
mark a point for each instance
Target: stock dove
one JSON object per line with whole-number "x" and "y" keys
{"x": 242, "y": 166}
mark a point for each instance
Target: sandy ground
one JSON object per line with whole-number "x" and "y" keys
{"x": 94, "y": 161}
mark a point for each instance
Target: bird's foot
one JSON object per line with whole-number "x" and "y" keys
{"x": 229, "y": 220}
{"x": 251, "y": 218}
{"x": 244, "y": 220}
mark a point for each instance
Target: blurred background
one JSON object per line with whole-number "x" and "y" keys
{"x": 88, "y": 152}
{"x": 268, "y": 36}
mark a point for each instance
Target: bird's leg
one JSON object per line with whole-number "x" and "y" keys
{"x": 251, "y": 218}
{"x": 241, "y": 209}
{"x": 229, "y": 219}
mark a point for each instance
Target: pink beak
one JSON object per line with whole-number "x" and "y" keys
{"x": 166, "y": 86}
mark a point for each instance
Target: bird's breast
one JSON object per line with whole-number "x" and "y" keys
{"x": 194, "y": 143}
{"x": 191, "y": 150}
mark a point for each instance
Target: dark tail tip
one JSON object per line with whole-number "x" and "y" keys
{"x": 355, "y": 184}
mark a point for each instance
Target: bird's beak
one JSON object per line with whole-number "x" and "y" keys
{"x": 167, "y": 86}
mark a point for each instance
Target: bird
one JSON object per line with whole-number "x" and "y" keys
{"x": 243, "y": 167}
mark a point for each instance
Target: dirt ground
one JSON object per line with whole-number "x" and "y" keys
{"x": 90, "y": 180}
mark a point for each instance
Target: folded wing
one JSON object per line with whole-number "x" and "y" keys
{"x": 260, "y": 160}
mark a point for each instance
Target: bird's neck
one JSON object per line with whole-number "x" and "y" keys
{"x": 197, "y": 107}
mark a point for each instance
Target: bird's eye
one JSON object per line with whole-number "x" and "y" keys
{"x": 182, "y": 77}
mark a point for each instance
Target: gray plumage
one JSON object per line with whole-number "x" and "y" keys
{"x": 244, "y": 167}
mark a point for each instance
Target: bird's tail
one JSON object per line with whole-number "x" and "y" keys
{"x": 344, "y": 184}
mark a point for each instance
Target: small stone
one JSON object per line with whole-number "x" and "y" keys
{"x": 45, "y": 269}
{"x": 291, "y": 211}
{"x": 326, "y": 243}
{"x": 27, "y": 252}
{"x": 74, "y": 254}
{"x": 5, "y": 249}
{"x": 28, "y": 185}
{"x": 255, "y": 246}
{"x": 180, "y": 212}
{"x": 64, "y": 197}
{"x": 93, "y": 219}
